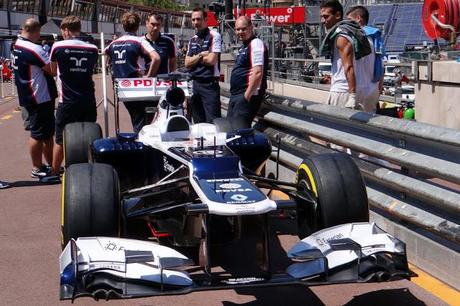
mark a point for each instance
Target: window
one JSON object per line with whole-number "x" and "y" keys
{"x": 27, "y": 6}
{"x": 60, "y": 8}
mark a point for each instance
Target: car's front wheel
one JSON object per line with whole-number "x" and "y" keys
{"x": 335, "y": 183}
{"x": 90, "y": 202}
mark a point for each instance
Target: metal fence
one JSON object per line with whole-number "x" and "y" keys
{"x": 301, "y": 71}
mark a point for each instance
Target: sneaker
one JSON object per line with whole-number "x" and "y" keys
{"x": 4, "y": 185}
{"x": 40, "y": 172}
{"x": 50, "y": 179}
{"x": 49, "y": 168}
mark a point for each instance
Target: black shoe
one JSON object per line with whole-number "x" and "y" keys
{"x": 4, "y": 185}
{"x": 41, "y": 172}
{"x": 50, "y": 179}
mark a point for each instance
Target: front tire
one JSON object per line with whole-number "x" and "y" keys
{"x": 78, "y": 136}
{"x": 336, "y": 184}
{"x": 90, "y": 202}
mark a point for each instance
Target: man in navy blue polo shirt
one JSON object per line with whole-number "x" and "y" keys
{"x": 203, "y": 62}
{"x": 163, "y": 44}
{"x": 73, "y": 61}
{"x": 30, "y": 64}
{"x": 248, "y": 81}
{"x": 128, "y": 54}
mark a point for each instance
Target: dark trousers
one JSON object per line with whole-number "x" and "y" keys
{"x": 205, "y": 101}
{"x": 240, "y": 108}
{"x": 139, "y": 117}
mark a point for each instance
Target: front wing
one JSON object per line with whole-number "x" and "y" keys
{"x": 106, "y": 268}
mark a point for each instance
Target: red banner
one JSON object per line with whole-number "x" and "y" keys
{"x": 212, "y": 20}
{"x": 277, "y": 15}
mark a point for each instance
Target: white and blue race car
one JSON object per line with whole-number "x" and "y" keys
{"x": 184, "y": 207}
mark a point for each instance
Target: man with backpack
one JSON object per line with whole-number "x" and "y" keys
{"x": 374, "y": 61}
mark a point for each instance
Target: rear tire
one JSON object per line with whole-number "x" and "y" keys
{"x": 338, "y": 187}
{"x": 78, "y": 136}
{"x": 91, "y": 202}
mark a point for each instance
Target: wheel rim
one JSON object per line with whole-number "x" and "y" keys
{"x": 307, "y": 216}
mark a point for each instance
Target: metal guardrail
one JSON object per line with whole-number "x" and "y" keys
{"x": 301, "y": 71}
{"x": 411, "y": 169}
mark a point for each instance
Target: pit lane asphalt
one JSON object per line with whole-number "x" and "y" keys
{"x": 30, "y": 245}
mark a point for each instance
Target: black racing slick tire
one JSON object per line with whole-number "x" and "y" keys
{"x": 78, "y": 136}
{"x": 90, "y": 202}
{"x": 336, "y": 184}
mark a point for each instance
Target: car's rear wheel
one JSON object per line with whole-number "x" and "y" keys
{"x": 336, "y": 184}
{"x": 90, "y": 202}
{"x": 77, "y": 138}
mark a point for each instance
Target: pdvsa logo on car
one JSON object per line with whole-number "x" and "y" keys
{"x": 167, "y": 84}
{"x": 136, "y": 83}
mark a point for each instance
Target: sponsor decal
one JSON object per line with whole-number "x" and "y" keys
{"x": 111, "y": 266}
{"x": 239, "y": 179}
{"x": 78, "y": 62}
{"x": 325, "y": 240}
{"x": 167, "y": 83}
{"x": 167, "y": 166}
{"x": 120, "y": 54}
{"x": 243, "y": 202}
{"x": 242, "y": 280}
{"x": 233, "y": 190}
{"x": 125, "y": 83}
{"x": 238, "y": 197}
{"x": 112, "y": 246}
{"x": 229, "y": 186}
{"x": 276, "y": 15}
{"x": 146, "y": 82}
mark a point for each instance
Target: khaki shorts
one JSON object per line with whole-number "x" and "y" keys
{"x": 363, "y": 103}
{"x": 339, "y": 99}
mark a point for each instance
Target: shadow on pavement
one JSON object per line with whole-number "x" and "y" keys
{"x": 285, "y": 295}
{"x": 26, "y": 183}
{"x": 387, "y": 297}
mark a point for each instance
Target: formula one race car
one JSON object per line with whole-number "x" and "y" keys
{"x": 181, "y": 208}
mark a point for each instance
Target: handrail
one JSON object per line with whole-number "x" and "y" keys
{"x": 395, "y": 149}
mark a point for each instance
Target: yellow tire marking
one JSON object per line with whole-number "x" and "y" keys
{"x": 7, "y": 117}
{"x": 435, "y": 286}
{"x": 62, "y": 209}
{"x": 310, "y": 176}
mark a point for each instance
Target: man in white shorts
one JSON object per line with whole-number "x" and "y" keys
{"x": 347, "y": 45}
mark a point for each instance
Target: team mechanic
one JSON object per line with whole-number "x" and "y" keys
{"x": 163, "y": 44}
{"x": 203, "y": 62}
{"x": 36, "y": 93}
{"x": 128, "y": 54}
{"x": 73, "y": 61}
{"x": 248, "y": 81}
